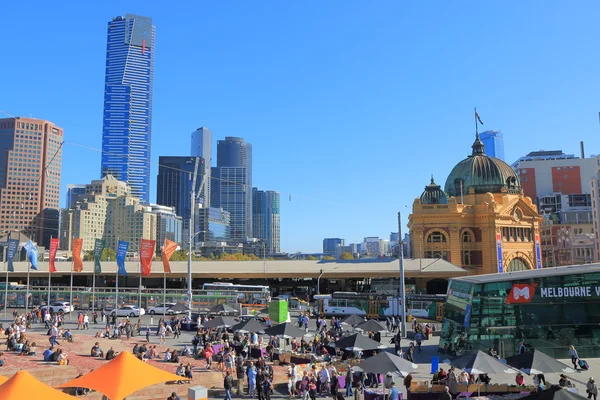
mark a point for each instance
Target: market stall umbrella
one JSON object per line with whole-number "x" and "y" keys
{"x": 371, "y": 326}
{"x": 179, "y": 307}
{"x": 385, "y": 362}
{"x": 481, "y": 363}
{"x": 535, "y": 362}
{"x": 554, "y": 393}
{"x": 353, "y": 320}
{"x": 250, "y": 326}
{"x": 223, "y": 309}
{"x": 285, "y": 330}
{"x": 122, "y": 376}
{"x": 220, "y": 322}
{"x": 358, "y": 342}
{"x": 23, "y": 385}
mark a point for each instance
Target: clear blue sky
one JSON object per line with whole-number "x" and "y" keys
{"x": 349, "y": 105}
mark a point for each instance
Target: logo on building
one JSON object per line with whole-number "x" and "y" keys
{"x": 521, "y": 293}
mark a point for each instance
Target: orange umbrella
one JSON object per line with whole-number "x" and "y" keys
{"x": 124, "y": 375}
{"x": 23, "y": 385}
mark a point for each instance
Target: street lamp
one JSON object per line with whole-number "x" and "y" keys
{"x": 401, "y": 264}
{"x": 189, "y": 270}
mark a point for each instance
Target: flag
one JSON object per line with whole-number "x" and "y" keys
{"x": 478, "y": 119}
{"x": 98, "y": 248}
{"x": 166, "y": 253}
{"x": 121, "y": 253}
{"x": 13, "y": 245}
{"x": 77, "y": 261}
{"x": 146, "y": 254}
{"x": 32, "y": 254}
{"x": 53, "y": 250}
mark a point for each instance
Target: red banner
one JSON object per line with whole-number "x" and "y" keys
{"x": 77, "y": 261}
{"x": 146, "y": 254}
{"x": 53, "y": 250}
{"x": 166, "y": 253}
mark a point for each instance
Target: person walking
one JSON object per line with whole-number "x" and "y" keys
{"x": 240, "y": 372}
{"x": 394, "y": 394}
{"x": 574, "y": 356}
{"x": 592, "y": 389}
{"x": 446, "y": 394}
{"x": 227, "y": 385}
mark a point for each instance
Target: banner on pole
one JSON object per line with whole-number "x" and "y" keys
{"x": 166, "y": 253}
{"x": 13, "y": 245}
{"x": 98, "y": 248}
{"x": 53, "y": 250}
{"x": 121, "y": 253}
{"x": 32, "y": 254}
{"x": 146, "y": 254}
{"x": 77, "y": 261}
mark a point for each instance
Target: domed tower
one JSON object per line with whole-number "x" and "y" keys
{"x": 434, "y": 194}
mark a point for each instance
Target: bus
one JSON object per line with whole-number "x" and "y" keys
{"x": 246, "y": 294}
{"x": 372, "y": 305}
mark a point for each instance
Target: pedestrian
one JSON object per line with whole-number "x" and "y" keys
{"x": 394, "y": 394}
{"x": 251, "y": 373}
{"x": 95, "y": 316}
{"x": 227, "y": 385}
{"x": 407, "y": 381}
{"x": 445, "y": 394}
{"x": 348, "y": 382}
{"x": 240, "y": 372}
{"x": 592, "y": 389}
{"x": 148, "y": 333}
{"x": 574, "y": 356}
{"x": 86, "y": 321}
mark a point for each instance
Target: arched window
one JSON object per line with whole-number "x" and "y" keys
{"x": 467, "y": 258}
{"x": 467, "y": 237}
{"x": 518, "y": 264}
{"x": 436, "y": 237}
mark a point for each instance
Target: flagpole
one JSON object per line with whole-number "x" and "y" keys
{"x": 140, "y": 288}
{"x": 6, "y": 286}
{"x": 71, "y": 292}
{"x": 164, "y": 293}
{"x": 476, "y": 127}
{"x": 94, "y": 288}
{"x": 49, "y": 277}
{"x": 117, "y": 289}
{"x": 27, "y": 294}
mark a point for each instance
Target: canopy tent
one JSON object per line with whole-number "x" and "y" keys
{"x": 223, "y": 309}
{"x": 220, "y": 322}
{"x": 285, "y": 330}
{"x": 535, "y": 362}
{"x": 22, "y": 385}
{"x": 385, "y": 362}
{"x": 179, "y": 307}
{"x": 554, "y": 393}
{"x": 122, "y": 376}
{"x": 481, "y": 363}
{"x": 250, "y": 326}
{"x": 370, "y": 326}
{"x": 353, "y": 320}
{"x": 358, "y": 342}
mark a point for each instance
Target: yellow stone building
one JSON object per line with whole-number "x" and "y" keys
{"x": 481, "y": 221}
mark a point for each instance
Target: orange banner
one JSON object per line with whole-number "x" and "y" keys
{"x": 167, "y": 251}
{"x": 146, "y": 254}
{"x": 77, "y": 261}
{"x": 53, "y": 250}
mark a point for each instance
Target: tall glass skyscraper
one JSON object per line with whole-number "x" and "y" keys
{"x": 202, "y": 147}
{"x": 266, "y": 218}
{"x": 493, "y": 143}
{"x": 127, "y": 120}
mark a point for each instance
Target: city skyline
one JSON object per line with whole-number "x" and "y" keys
{"x": 383, "y": 96}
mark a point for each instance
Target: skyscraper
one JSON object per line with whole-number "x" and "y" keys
{"x": 174, "y": 184}
{"x": 202, "y": 147}
{"x": 127, "y": 120}
{"x": 330, "y": 244}
{"x": 493, "y": 142}
{"x": 266, "y": 218}
{"x": 234, "y": 176}
{"x": 27, "y": 191}
{"x": 73, "y": 193}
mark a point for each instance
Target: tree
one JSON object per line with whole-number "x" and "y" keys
{"x": 108, "y": 255}
{"x": 312, "y": 258}
{"x": 346, "y": 256}
{"x": 88, "y": 255}
{"x": 179, "y": 255}
{"x": 328, "y": 258}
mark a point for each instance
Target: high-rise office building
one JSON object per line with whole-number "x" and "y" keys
{"x": 127, "y": 120}
{"x": 30, "y": 168}
{"x": 214, "y": 225}
{"x": 493, "y": 142}
{"x": 168, "y": 225}
{"x": 73, "y": 193}
{"x": 330, "y": 244}
{"x": 174, "y": 184}
{"x": 266, "y": 218}
{"x": 233, "y": 179}
{"x": 202, "y": 147}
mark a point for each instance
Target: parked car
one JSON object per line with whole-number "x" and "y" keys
{"x": 59, "y": 306}
{"x": 129, "y": 311}
{"x": 161, "y": 309}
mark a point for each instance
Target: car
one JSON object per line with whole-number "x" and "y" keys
{"x": 59, "y": 306}
{"x": 161, "y": 309}
{"x": 129, "y": 311}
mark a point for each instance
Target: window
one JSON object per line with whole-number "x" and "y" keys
{"x": 436, "y": 237}
{"x": 467, "y": 237}
{"x": 518, "y": 264}
{"x": 467, "y": 258}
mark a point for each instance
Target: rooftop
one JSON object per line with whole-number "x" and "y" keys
{"x": 533, "y": 273}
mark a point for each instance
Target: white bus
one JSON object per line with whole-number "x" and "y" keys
{"x": 247, "y": 294}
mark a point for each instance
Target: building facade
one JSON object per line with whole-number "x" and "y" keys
{"x": 129, "y": 220}
{"x": 266, "y": 218}
{"x": 168, "y": 226}
{"x": 371, "y": 246}
{"x": 494, "y": 143}
{"x": 29, "y": 190}
{"x": 214, "y": 225}
{"x": 595, "y": 197}
{"x": 127, "y": 119}
{"x": 73, "y": 193}
{"x": 481, "y": 221}
{"x": 330, "y": 245}
{"x": 234, "y": 176}
{"x": 202, "y": 147}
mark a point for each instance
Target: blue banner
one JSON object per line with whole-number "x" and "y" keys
{"x": 499, "y": 251}
{"x": 32, "y": 254}
{"x": 13, "y": 245}
{"x": 467, "y": 320}
{"x": 538, "y": 252}
{"x": 121, "y": 253}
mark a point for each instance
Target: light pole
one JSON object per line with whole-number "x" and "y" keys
{"x": 401, "y": 262}
{"x": 189, "y": 271}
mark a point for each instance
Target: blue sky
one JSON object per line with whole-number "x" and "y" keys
{"x": 349, "y": 105}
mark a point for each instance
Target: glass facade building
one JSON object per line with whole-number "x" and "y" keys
{"x": 493, "y": 142}
{"x": 266, "y": 218}
{"x": 127, "y": 119}
{"x": 168, "y": 226}
{"x": 548, "y": 309}
{"x": 214, "y": 223}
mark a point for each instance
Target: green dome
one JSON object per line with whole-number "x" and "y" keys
{"x": 434, "y": 194}
{"x": 482, "y": 173}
